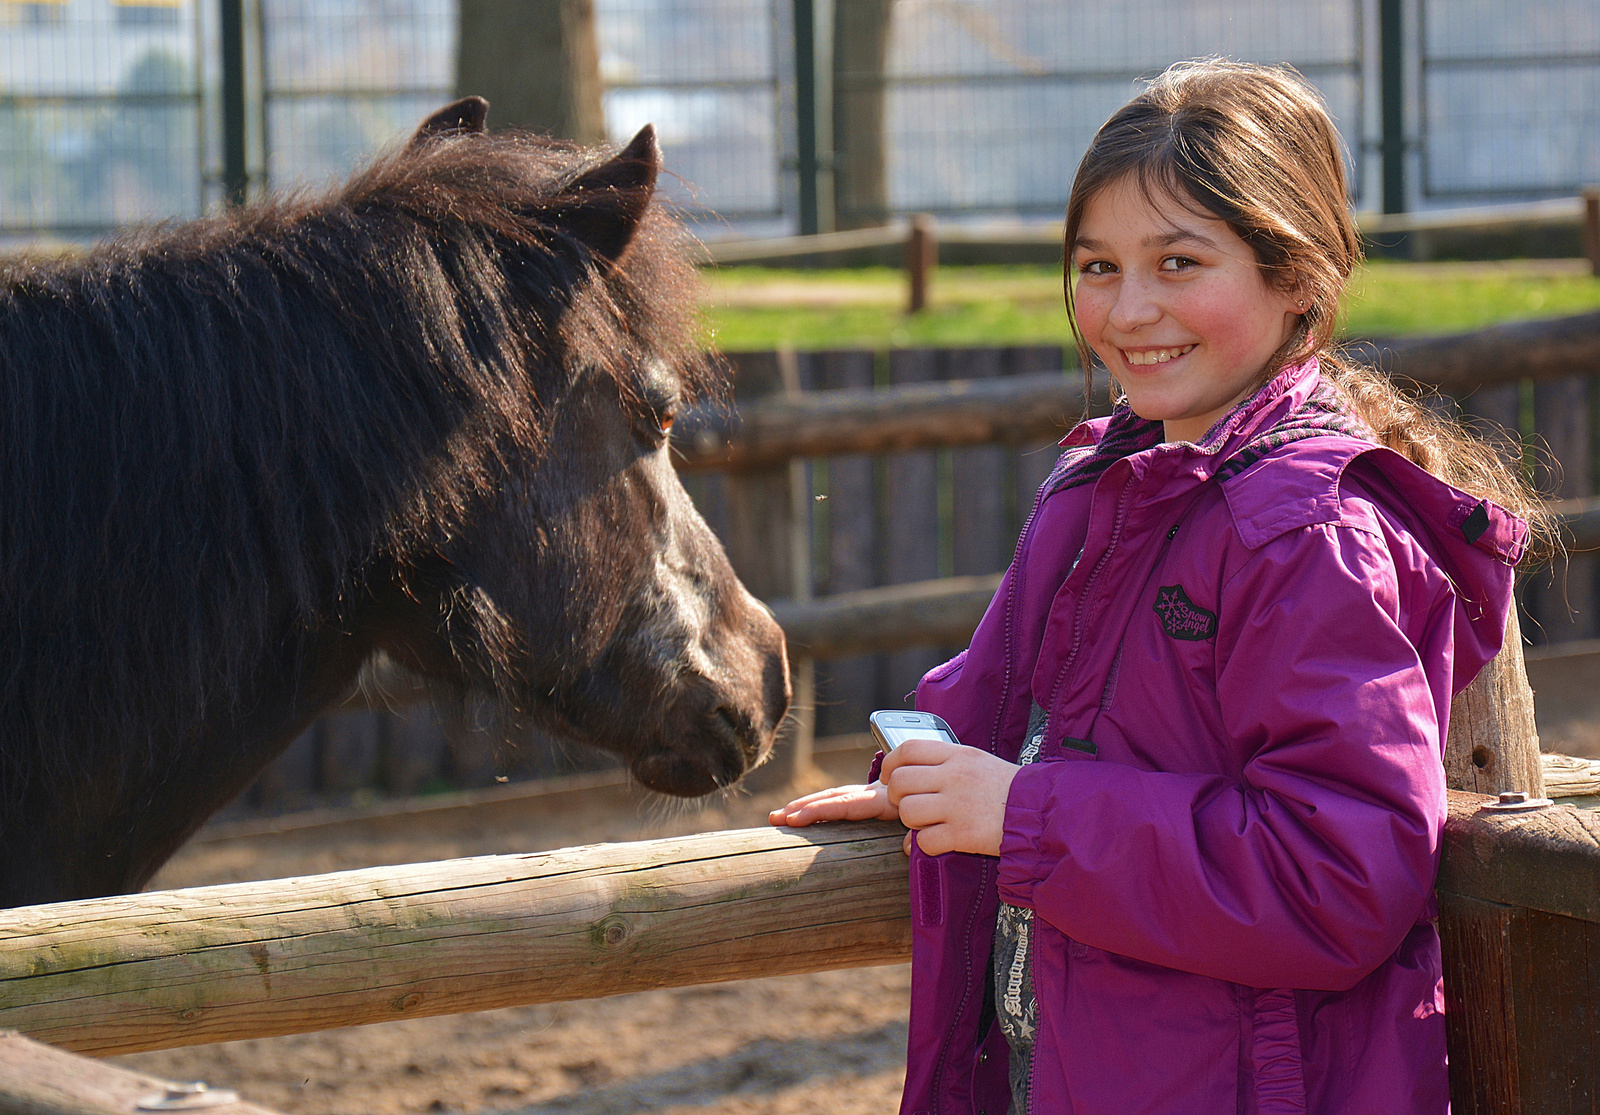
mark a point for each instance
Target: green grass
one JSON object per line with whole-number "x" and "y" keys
{"x": 760, "y": 308}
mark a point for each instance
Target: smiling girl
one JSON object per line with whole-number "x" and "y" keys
{"x": 1184, "y": 860}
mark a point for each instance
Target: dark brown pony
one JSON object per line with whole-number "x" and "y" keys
{"x": 425, "y": 414}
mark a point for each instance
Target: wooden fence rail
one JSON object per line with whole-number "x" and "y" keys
{"x": 165, "y": 969}
{"x": 175, "y": 968}
{"x": 1014, "y": 409}
{"x": 38, "y": 1079}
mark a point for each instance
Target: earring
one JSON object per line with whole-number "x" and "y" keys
{"x": 1301, "y": 305}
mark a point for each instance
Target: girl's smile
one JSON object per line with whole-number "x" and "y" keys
{"x": 1175, "y": 305}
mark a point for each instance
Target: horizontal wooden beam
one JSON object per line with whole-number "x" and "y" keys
{"x": 153, "y": 971}
{"x": 175, "y": 968}
{"x": 1460, "y": 363}
{"x": 879, "y": 620}
{"x": 1580, "y": 523}
{"x": 776, "y": 428}
{"x": 1016, "y": 409}
{"x": 39, "y": 1079}
{"x": 1546, "y": 859}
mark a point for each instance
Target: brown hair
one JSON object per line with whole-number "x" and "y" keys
{"x": 1254, "y": 146}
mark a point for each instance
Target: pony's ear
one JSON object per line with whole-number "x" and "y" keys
{"x": 606, "y": 203}
{"x": 465, "y": 116}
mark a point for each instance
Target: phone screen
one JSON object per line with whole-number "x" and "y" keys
{"x": 894, "y": 728}
{"x": 894, "y": 737}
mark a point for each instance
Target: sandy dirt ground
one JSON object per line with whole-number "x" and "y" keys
{"x": 830, "y": 1042}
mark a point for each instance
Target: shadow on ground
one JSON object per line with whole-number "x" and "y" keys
{"x": 759, "y": 1068}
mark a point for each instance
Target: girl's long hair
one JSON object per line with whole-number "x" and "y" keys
{"x": 1254, "y": 146}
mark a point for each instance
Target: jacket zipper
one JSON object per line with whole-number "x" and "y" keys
{"x": 994, "y": 733}
{"x": 1088, "y": 584}
{"x": 1066, "y": 671}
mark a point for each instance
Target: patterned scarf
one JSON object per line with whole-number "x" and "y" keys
{"x": 1321, "y": 414}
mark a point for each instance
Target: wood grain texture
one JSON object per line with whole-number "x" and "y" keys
{"x": 1567, "y": 776}
{"x": 174, "y": 968}
{"x": 1520, "y": 1009}
{"x": 911, "y": 531}
{"x": 1493, "y": 741}
{"x": 768, "y": 535}
{"x": 847, "y": 688}
{"x": 37, "y": 1079}
{"x": 1475, "y": 937}
{"x": 891, "y": 618}
{"x": 1459, "y": 363}
{"x": 913, "y": 413}
{"x": 1547, "y": 859}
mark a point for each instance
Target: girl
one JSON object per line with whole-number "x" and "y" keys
{"x": 1184, "y": 860}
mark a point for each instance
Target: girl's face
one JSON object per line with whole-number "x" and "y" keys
{"x": 1176, "y": 306}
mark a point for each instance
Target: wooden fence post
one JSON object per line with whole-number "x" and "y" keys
{"x": 1492, "y": 745}
{"x": 922, "y": 257}
{"x": 1591, "y": 228}
{"x": 1500, "y": 960}
{"x": 910, "y": 510}
{"x": 847, "y": 688}
{"x": 1519, "y": 919}
{"x": 769, "y": 545}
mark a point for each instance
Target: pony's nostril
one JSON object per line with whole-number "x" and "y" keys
{"x": 737, "y": 730}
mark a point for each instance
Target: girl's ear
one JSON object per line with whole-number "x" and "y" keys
{"x": 1302, "y": 296}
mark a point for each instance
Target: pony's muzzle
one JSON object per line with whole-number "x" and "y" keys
{"x": 723, "y": 725}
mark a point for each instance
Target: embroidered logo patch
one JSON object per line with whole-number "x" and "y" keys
{"x": 1181, "y": 617}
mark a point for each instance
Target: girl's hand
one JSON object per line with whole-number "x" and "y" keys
{"x": 842, "y": 803}
{"x": 954, "y": 796}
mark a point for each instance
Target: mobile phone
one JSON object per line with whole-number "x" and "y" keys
{"x": 892, "y": 727}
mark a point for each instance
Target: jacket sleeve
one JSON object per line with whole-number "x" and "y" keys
{"x": 1309, "y": 868}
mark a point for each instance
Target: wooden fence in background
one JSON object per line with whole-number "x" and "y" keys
{"x": 851, "y": 471}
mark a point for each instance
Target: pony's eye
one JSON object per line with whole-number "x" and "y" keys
{"x": 667, "y": 419}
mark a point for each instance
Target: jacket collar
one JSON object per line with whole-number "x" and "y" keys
{"x": 1295, "y": 398}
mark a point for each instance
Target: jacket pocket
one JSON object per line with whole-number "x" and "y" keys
{"x": 927, "y": 890}
{"x": 943, "y": 670}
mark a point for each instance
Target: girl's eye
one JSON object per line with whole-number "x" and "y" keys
{"x": 1177, "y": 263}
{"x": 1098, "y": 267}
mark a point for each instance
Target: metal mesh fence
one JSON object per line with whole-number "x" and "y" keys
{"x": 347, "y": 77}
{"x": 990, "y": 105}
{"x": 1510, "y": 98}
{"x": 100, "y": 119}
{"x": 109, "y": 114}
{"x": 706, "y": 73}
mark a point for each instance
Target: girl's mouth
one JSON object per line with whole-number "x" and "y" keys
{"x": 1154, "y": 355}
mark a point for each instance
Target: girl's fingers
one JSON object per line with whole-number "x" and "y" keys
{"x": 842, "y": 803}
{"x": 915, "y": 780}
{"x": 935, "y": 840}
{"x": 917, "y": 752}
{"x": 919, "y": 811}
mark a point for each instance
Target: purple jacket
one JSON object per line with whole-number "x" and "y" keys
{"x": 1230, "y": 839}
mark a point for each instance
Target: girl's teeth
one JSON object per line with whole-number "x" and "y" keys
{"x": 1159, "y": 356}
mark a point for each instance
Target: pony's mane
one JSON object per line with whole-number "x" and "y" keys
{"x": 210, "y": 428}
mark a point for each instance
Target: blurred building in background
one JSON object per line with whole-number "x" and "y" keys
{"x": 110, "y": 110}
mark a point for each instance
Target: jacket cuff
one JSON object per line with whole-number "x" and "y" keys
{"x": 1022, "y": 863}
{"x": 877, "y": 768}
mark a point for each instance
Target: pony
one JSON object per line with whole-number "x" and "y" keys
{"x": 425, "y": 414}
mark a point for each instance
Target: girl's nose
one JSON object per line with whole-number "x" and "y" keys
{"x": 1135, "y": 306}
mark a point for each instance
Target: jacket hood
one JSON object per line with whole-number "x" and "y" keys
{"x": 1298, "y": 424}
